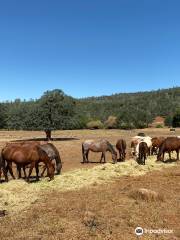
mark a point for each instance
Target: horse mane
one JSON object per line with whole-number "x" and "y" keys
{"x": 111, "y": 147}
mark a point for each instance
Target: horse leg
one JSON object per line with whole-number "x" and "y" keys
{"x": 119, "y": 154}
{"x": 44, "y": 169}
{"x": 37, "y": 171}
{"x": 124, "y": 156}
{"x": 84, "y": 154}
{"x": 163, "y": 156}
{"x": 9, "y": 167}
{"x": 104, "y": 157}
{"x": 101, "y": 158}
{"x": 24, "y": 170}
{"x": 87, "y": 155}
{"x": 19, "y": 171}
{"x": 177, "y": 151}
{"x": 30, "y": 170}
{"x": 170, "y": 155}
{"x": 144, "y": 158}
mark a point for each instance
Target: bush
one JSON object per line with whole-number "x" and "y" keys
{"x": 176, "y": 119}
{"x": 159, "y": 126}
{"x": 111, "y": 122}
{"x": 126, "y": 125}
{"x": 97, "y": 124}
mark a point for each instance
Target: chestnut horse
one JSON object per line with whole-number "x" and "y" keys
{"x": 23, "y": 155}
{"x": 49, "y": 148}
{"x": 168, "y": 145}
{"x": 121, "y": 147}
{"x": 156, "y": 142}
{"x": 98, "y": 146}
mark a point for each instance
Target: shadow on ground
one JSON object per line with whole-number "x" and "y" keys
{"x": 44, "y": 139}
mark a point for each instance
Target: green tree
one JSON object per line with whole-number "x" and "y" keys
{"x": 3, "y": 115}
{"x": 56, "y": 111}
{"x": 176, "y": 119}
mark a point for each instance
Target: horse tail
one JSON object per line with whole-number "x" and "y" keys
{"x": 83, "y": 153}
{"x": 58, "y": 163}
{"x": 161, "y": 150}
{"x": 3, "y": 167}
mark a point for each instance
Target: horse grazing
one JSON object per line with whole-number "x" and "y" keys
{"x": 168, "y": 145}
{"x": 53, "y": 154}
{"x": 49, "y": 148}
{"x": 98, "y": 146}
{"x": 121, "y": 147}
{"x": 156, "y": 142}
{"x": 23, "y": 155}
{"x": 143, "y": 152}
{"x": 136, "y": 140}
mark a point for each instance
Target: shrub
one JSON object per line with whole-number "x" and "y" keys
{"x": 111, "y": 122}
{"x": 97, "y": 124}
{"x": 159, "y": 126}
{"x": 126, "y": 125}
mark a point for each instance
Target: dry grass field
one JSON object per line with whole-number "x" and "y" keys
{"x": 91, "y": 201}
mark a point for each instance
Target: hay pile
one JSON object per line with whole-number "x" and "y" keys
{"x": 146, "y": 194}
{"x": 18, "y": 195}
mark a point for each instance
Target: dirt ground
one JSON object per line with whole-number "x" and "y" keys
{"x": 98, "y": 211}
{"x": 114, "y": 214}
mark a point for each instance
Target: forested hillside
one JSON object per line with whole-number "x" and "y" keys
{"x": 55, "y": 110}
{"x": 132, "y": 108}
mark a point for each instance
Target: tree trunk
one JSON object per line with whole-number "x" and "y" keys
{"x": 48, "y": 135}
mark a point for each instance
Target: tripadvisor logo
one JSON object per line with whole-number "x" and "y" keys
{"x": 139, "y": 231}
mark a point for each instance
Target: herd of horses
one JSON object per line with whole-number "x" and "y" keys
{"x": 30, "y": 154}
{"x": 141, "y": 147}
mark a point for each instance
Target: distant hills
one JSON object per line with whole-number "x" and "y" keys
{"x": 133, "y": 108}
{"x": 56, "y": 110}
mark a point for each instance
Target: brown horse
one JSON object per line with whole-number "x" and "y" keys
{"x": 98, "y": 146}
{"x": 23, "y": 155}
{"x": 121, "y": 147}
{"x": 168, "y": 145}
{"x": 156, "y": 142}
{"x": 49, "y": 148}
{"x": 143, "y": 152}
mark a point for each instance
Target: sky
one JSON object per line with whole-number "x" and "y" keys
{"x": 88, "y": 47}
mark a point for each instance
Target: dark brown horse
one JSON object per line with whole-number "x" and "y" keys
{"x": 121, "y": 147}
{"x": 168, "y": 145}
{"x": 23, "y": 155}
{"x": 98, "y": 146}
{"x": 143, "y": 153}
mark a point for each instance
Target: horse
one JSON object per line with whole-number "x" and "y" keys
{"x": 168, "y": 145}
{"x": 136, "y": 140}
{"x": 143, "y": 152}
{"x": 52, "y": 153}
{"x": 121, "y": 147}
{"x": 156, "y": 142}
{"x": 98, "y": 146}
{"x": 23, "y": 155}
{"x": 49, "y": 148}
